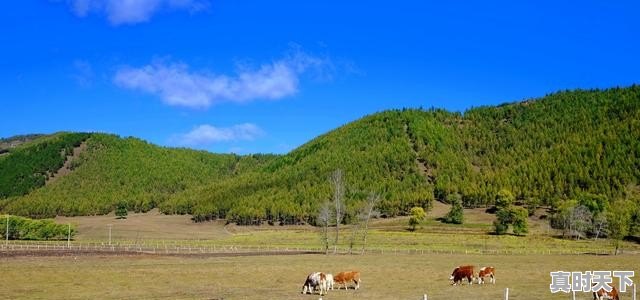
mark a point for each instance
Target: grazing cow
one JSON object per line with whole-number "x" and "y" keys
{"x": 487, "y": 271}
{"x": 602, "y": 294}
{"x": 315, "y": 280}
{"x": 329, "y": 282}
{"x": 462, "y": 272}
{"x": 345, "y": 277}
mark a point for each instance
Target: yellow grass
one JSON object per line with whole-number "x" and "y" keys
{"x": 281, "y": 277}
{"x": 385, "y": 235}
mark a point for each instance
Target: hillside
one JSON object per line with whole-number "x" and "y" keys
{"x": 113, "y": 169}
{"x": 564, "y": 146}
{"x": 31, "y": 160}
{"x": 568, "y": 145}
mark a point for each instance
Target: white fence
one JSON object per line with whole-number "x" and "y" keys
{"x": 185, "y": 247}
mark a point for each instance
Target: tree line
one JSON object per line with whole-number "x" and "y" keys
{"x": 21, "y": 228}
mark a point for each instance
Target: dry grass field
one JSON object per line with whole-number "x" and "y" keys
{"x": 281, "y": 277}
{"x": 145, "y": 226}
{"x": 392, "y": 275}
{"x": 384, "y": 234}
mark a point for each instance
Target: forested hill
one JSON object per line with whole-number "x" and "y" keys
{"x": 109, "y": 170}
{"x": 566, "y": 146}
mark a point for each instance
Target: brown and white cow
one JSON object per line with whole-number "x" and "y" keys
{"x": 602, "y": 294}
{"x": 315, "y": 280}
{"x": 487, "y": 271}
{"x": 462, "y": 272}
{"x": 346, "y": 277}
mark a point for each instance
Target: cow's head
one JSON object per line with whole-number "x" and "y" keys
{"x": 454, "y": 273}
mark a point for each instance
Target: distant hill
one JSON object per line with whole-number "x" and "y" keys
{"x": 563, "y": 146}
{"x": 6, "y": 144}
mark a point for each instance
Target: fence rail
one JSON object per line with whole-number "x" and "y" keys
{"x": 176, "y": 248}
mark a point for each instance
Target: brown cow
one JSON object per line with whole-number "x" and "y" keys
{"x": 462, "y": 272}
{"x": 345, "y": 277}
{"x": 487, "y": 271}
{"x": 602, "y": 294}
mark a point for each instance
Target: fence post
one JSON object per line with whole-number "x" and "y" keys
{"x": 506, "y": 294}
{"x": 69, "y": 236}
{"x": 6, "y": 235}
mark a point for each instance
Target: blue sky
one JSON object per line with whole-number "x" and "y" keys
{"x": 267, "y": 76}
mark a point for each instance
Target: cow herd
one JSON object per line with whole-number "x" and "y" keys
{"x": 467, "y": 272}
{"x": 325, "y": 281}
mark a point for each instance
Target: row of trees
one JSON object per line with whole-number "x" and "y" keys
{"x": 594, "y": 216}
{"x": 21, "y": 228}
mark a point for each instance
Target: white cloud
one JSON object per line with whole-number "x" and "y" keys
{"x": 133, "y": 11}
{"x": 179, "y": 86}
{"x": 207, "y": 134}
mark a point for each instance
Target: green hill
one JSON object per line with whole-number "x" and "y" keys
{"x": 568, "y": 145}
{"x": 112, "y": 169}
{"x": 564, "y": 146}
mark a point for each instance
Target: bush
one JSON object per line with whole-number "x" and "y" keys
{"x": 121, "y": 210}
{"x": 519, "y": 220}
{"x": 456, "y": 214}
{"x": 417, "y": 216}
{"x": 499, "y": 227}
{"x": 512, "y": 215}
{"x": 27, "y": 229}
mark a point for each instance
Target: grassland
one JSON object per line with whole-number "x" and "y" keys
{"x": 523, "y": 263}
{"x": 281, "y": 277}
{"x": 385, "y": 235}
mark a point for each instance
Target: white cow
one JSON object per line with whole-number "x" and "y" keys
{"x": 315, "y": 280}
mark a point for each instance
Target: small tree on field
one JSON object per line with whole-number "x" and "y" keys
{"x": 519, "y": 220}
{"x": 619, "y": 221}
{"x": 337, "y": 182}
{"x": 456, "y": 214}
{"x": 121, "y": 210}
{"x": 417, "y": 216}
{"x": 508, "y": 214}
{"x": 324, "y": 217}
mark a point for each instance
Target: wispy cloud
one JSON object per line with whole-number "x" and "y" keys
{"x": 133, "y": 11}
{"x": 206, "y": 134}
{"x": 83, "y": 73}
{"x": 177, "y": 85}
